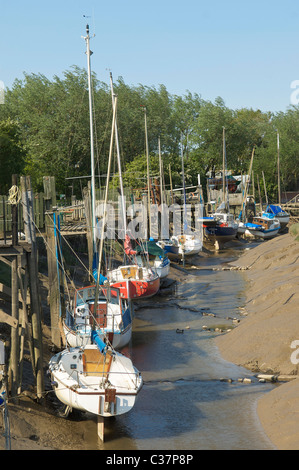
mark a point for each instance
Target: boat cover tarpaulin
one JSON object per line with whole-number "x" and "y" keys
{"x": 102, "y": 278}
{"x": 151, "y": 248}
{"x": 271, "y": 209}
{"x": 250, "y": 225}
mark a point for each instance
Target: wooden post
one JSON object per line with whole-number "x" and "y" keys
{"x": 170, "y": 179}
{"x": 53, "y": 296}
{"x": 101, "y": 427}
{"x": 14, "y": 215}
{"x": 14, "y": 353}
{"x": 259, "y": 190}
{"x": 50, "y": 192}
{"x": 25, "y": 329}
{"x": 36, "y": 321}
{"x": 265, "y": 189}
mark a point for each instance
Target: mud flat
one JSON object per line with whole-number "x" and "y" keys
{"x": 265, "y": 340}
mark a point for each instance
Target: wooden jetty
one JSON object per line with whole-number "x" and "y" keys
{"x": 25, "y": 317}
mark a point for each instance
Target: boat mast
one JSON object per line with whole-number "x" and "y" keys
{"x": 225, "y": 184}
{"x": 184, "y": 188}
{"x": 161, "y": 173}
{"x": 96, "y": 297}
{"x": 123, "y": 206}
{"x": 243, "y": 208}
{"x": 278, "y": 170}
{"x": 93, "y": 196}
{"x": 148, "y": 173}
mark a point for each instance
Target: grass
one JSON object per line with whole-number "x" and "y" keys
{"x": 294, "y": 231}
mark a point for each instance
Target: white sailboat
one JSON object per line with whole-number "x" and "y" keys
{"x": 92, "y": 376}
{"x": 118, "y": 317}
{"x": 155, "y": 257}
{"x": 112, "y": 318}
{"x": 223, "y": 227}
{"x": 95, "y": 379}
{"x": 275, "y": 210}
{"x": 188, "y": 244}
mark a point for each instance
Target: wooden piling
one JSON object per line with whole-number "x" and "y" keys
{"x": 101, "y": 427}
{"x": 14, "y": 353}
{"x": 36, "y": 320}
{"x": 53, "y": 297}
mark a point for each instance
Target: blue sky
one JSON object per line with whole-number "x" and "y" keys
{"x": 245, "y": 52}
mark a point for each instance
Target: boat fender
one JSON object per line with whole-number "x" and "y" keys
{"x": 98, "y": 341}
{"x": 54, "y": 383}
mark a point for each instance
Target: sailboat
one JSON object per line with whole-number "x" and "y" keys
{"x": 134, "y": 281}
{"x": 95, "y": 378}
{"x": 115, "y": 321}
{"x": 275, "y": 210}
{"x": 155, "y": 256}
{"x": 187, "y": 244}
{"x": 221, "y": 227}
{"x": 112, "y": 318}
{"x": 262, "y": 226}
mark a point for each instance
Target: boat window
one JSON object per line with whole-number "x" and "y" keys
{"x": 87, "y": 294}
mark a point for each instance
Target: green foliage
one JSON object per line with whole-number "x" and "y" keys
{"x": 44, "y": 130}
{"x": 11, "y": 153}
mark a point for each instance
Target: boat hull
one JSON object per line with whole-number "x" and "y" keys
{"x": 188, "y": 245}
{"x": 265, "y": 234}
{"x": 134, "y": 289}
{"x": 162, "y": 268}
{"x": 261, "y": 227}
{"x": 78, "y": 338}
{"x": 221, "y": 234}
{"x": 134, "y": 282}
{"x": 76, "y": 389}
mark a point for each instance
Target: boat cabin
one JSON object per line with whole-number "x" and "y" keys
{"x": 109, "y": 298}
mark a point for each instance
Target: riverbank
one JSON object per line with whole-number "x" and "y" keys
{"x": 262, "y": 340}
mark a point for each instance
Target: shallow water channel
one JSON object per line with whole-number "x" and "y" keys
{"x": 186, "y": 402}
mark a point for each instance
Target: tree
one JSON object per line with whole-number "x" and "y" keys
{"x": 11, "y": 153}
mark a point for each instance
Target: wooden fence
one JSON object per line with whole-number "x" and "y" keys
{"x": 6, "y": 214}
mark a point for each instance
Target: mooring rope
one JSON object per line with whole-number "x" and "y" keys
{"x": 14, "y": 195}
